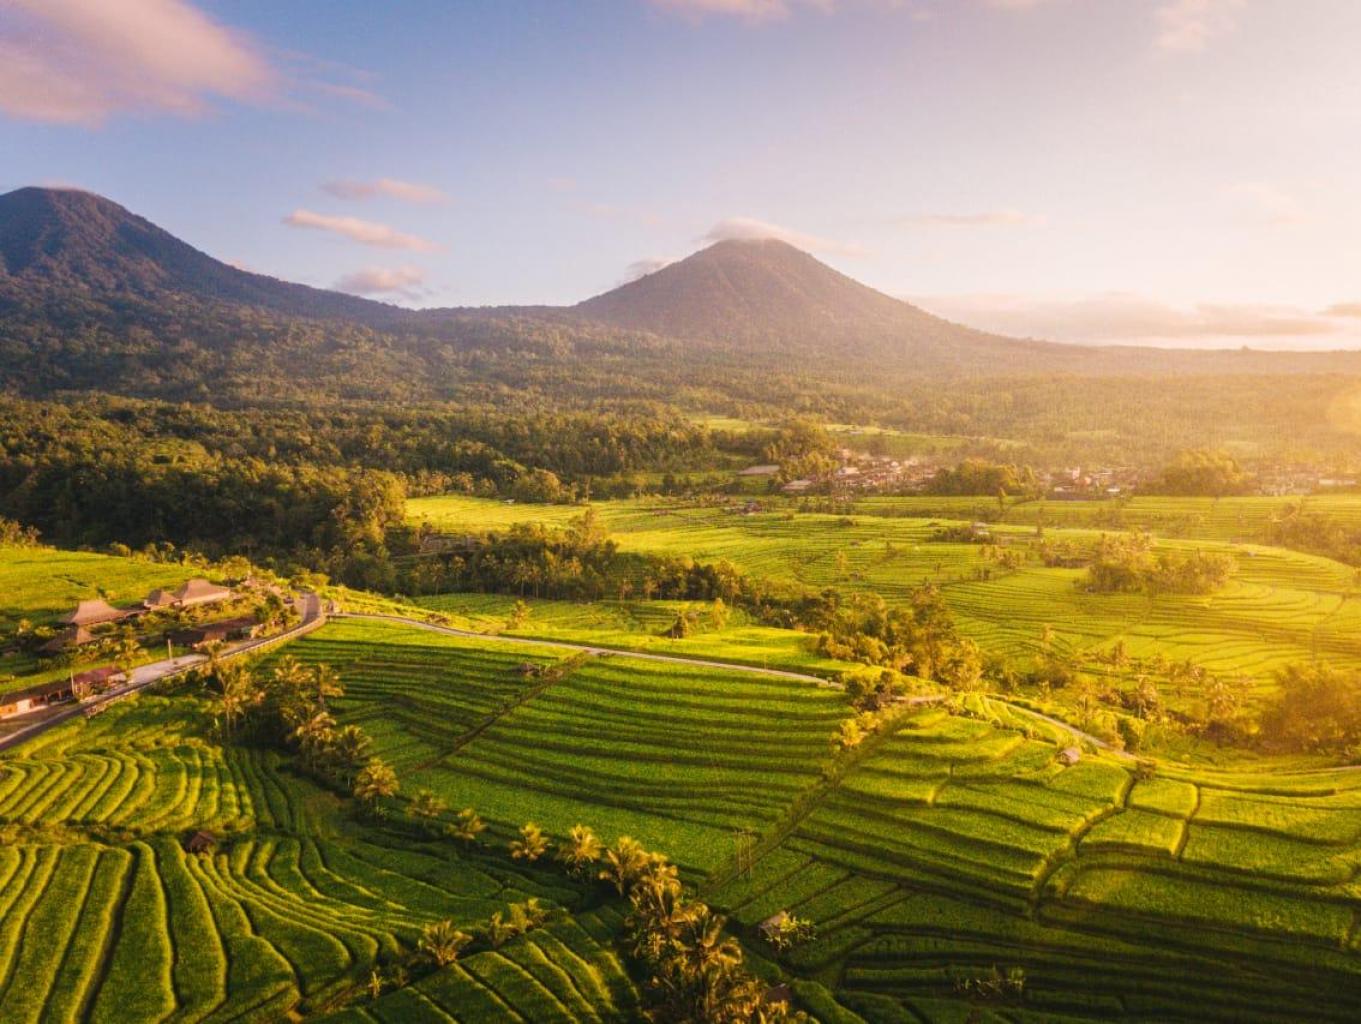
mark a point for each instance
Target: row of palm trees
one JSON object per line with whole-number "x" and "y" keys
{"x": 288, "y": 706}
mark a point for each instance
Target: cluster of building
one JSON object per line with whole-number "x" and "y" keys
{"x": 79, "y": 624}
{"x": 89, "y": 615}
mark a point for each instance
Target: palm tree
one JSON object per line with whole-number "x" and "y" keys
{"x": 237, "y": 694}
{"x": 624, "y": 864}
{"x": 442, "y": 942}
{"x": 375, "y": 782}
{"x": 467, "y": 826}
{"x": 426, "y": 804}
{"x": 350, "y": 750}
{"x": 531, "y": 845}
{"x": 580, "y": 850}
{"x": 315, "y": 738}
{"x": 326, "y": 683}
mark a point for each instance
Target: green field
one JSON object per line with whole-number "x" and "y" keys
{"x": 105, "y": 918}
{"x": 1280, "y": 607}
{"x": 40, "y": 584}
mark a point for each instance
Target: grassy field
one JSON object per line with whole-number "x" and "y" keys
{"x": 944, "y": 846}
{"x": 104, "y": 917}
{"x": 1279, "y": 607}
{"x": 40, "y": 584}
{"x": 456, "y": 716}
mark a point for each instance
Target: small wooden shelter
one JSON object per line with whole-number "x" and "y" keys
{"x": 93, "y": 613}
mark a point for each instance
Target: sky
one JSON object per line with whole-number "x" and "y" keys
{"x": 1173, "y": 172}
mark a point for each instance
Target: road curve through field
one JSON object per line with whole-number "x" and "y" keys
{"x": 672, "y": 659}
{"x": 313, "y": 616}
{"x": 731, "y": 666}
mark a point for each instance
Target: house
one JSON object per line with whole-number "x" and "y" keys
{"x": 762, "y": 470}
{"x": 1069, "y": 756}
{"x": 93, "y": 613}
{"x": 242, "y": 628}
{"x": 198, "y": 592}
{"x": 796, "y": 486}
{"x": 21, "y": 702}
{"x": 75, "y": 636}
{"x": 96, "y": 680}
{"x": 769, "y": 929}
{"x": 200, "y": 842}
{"x": 158, "y": 599}
{"x": 777, "y": 994}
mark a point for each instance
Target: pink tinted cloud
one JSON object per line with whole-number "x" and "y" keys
{"x": 391, "y": 188}
{"x": 366, "y": 232}
{"x": 79, "y": 61}
{"x": 747, "y": 229}
{"x": 403, "y": 281}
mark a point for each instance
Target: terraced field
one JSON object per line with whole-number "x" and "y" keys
{"x": 567, "y": 972}
{"x": 943, "y": 847}
{"x": 1279, "y": 607}
{"x": 659, "y": 752}
{"x": 1234, "y": 519}
{"x": 104, "y": 917}
{"x": 960, "y": 845}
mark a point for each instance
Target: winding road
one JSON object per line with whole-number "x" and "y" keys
{"x": 313, "y": 616}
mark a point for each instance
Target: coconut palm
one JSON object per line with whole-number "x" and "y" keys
{"x": 442, "y": 942}
{"x": 325, "y": 683}
{"x": 349, "y": 752}
{"x": 531, "y": 845}
{"x": 467, "y": 826}
{"x": 580, "y": 850}
{"x": 426, "y": 804}
{"x": 315, "y": 738}
{"x": 375, "y": 781}
{"x": 624, "y": 863}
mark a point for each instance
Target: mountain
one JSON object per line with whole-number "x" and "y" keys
{"x": 95, "y": 298}
{"x": 73, "y": 241}
{"x": 765, "y": 293}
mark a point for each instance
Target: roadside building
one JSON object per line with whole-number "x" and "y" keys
{"x": 158, "y": 600}
{"x": 96, "y": 680}
{"x": 199, "y": 592}
{"x": 93, "y": 613}
{"x": 68, "y": 639}
{"x": 242, "y": 628}
{"x": 797, "y": 486}
{"x": 762, "y": 470}
{"x": 21, "y": 702}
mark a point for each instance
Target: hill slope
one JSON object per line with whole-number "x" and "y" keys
{"x": 63, "y": 239}
{"x": 764, "y": 293}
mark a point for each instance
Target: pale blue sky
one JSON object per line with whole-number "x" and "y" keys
{"x": 1180, "y": 170}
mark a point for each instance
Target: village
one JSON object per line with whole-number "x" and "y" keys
{"x": 197, "y": 616}
{"x": 859, "y": 472}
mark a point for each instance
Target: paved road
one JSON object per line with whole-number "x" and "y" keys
{"x": 673, "y": 659}
{"x": 313, "y": 616}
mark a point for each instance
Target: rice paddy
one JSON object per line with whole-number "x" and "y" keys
{"x": 1279, "y": 607}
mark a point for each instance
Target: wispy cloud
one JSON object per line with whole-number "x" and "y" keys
{"x": 1351, "y": 310}
{"x": 366, "y": 232}
{"x": 391, "y": 188}
{"x": 984, "y": 219}
{"x": 1127, "y": 318}
{"x": 747, "y": 229}
{"x": 79, "y": 61}
{"x": 405, "y": 282}
{"x": 84, "y": 61}
{"x": 641, "y": 268}
{"x": 747, "y": 10}
{"x": 1187, "y": 26}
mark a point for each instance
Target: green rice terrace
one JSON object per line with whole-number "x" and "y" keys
{"x": 1278, "y": 607}
{"x": 948, "y": 849}
{"x": 947, "y": 857}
